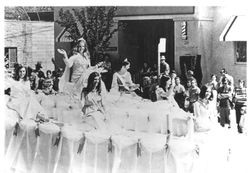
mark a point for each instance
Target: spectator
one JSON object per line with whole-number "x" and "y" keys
{"x": 153, "y": 70}
{"x": 224, "y": 73}
{"x": 48, "y": 83}
{"x": 190, "y": 75}
{"x": 240, "y": 99}
{"x": 225, "y": 97}
{"x": 146, "y": 86}
{"x": 165, "y": 89}
{"x": 38, "y": 69}
{"x": 179, "y": 92}
{"x": 107, "y": 74}
{"x": 244, "y": 120}
{"x": 33, "y": 80}
{"x": 186, "y": 95}
{"x": 193, "y": 94}
{"x": 41, "y": 78}
{"x": 145, "y": 71}
{"x": 55, "y": 77}
{"x": 213, "y": 82}
{"x": 164, "y": 67}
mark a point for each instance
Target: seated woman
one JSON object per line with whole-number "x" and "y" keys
{"x": 122, "y": 80}
{"x": 202, "y": 110}
{"x": 165, "y": 89}
{"x": 22, "y": 98}
{"x": 22, "y": 77}
{"x": 92, "y": 101}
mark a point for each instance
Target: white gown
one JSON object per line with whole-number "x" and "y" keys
{"x": 23, "y": 100}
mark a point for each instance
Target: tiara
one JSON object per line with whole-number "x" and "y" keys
{"x": 125, "y": 60}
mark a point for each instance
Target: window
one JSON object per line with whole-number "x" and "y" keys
{"x": 10, "y": 57}
{"x": 240, "y": 52}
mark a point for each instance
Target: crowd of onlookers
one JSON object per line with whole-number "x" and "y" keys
{"x": 228, "y": 95}
{"x": 36, "y": 79}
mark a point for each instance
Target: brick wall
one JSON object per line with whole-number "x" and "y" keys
{"x": 34, "y": 41}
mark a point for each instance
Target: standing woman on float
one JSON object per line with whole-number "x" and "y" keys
{"x": 80, "y": 62}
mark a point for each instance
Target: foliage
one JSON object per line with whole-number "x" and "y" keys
{"x": 95, "y": 24}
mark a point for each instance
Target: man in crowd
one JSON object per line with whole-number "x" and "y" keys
{"x": 224, "y": 73}
{"x": 164, "y": 67}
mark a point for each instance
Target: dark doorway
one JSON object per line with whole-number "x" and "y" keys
{"x": 139, "y": 39}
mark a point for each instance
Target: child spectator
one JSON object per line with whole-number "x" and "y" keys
{"x": 194, "y": 92}
{"x": 48, "y": 83}
{"x": 190, "y": 75}
{"x": 186, "y": 95}
{"x": 240, "y": 99}
{"x": 179, "y": 92}
{"x": 107, "y": 75}
{"x": 213, "y": 82}
{"x": 40, "y": 80}
{"x": 33, "y": 80}
{"x": 146, "y": 85}
{"x": 225, "y": 97}
{"x": 55, "y": 81}
{"x": 230, "y": 79}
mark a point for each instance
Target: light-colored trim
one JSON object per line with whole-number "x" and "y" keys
{"x": 227, "y": 28}
{"x": 157, "y": 17}
{"x": 27, "y": 21}
{"x": 150, "y": 17}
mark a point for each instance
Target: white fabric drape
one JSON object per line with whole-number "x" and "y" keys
{"x": 28, "y": 153}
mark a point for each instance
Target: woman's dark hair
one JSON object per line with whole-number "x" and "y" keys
{"x": 18, "y": 68}
{"x": 203, "y": 93}
{"x": 163, "y": 82}
{"x": 40, "y": 74}
{"x": 212, "y": 75}
{"x": 177, "y": 77}
{"x": 123, "y": 63}
{"x": 90, "y": 85}
{"x": 223, "y": 70}
{"x": 29, "y": 71}
{"x": 224, "y": 79}
{"x": 48, "y": 71}
{"x": 38, "y": 66}
{"x": 106, "y": 56}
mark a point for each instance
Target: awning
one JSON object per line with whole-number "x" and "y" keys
{"x": 235, "y": 30}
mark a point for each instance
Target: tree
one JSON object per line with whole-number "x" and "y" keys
{"x": 94, "y": 24}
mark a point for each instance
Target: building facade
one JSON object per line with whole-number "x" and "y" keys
{"x": 29, "y": 42}
{"x": 192, "y": 39}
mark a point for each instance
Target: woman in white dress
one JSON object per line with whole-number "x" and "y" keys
{"x": 81, "y": 68}
{"x": 122, "y": 80}
{"x": 92, "y": 99}
{"x": 203, "y": 111}
{"x": 165, "y": 89}
{"x": 22, "y": 98}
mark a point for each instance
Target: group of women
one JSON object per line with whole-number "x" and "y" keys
{"x": 99, "y": 107}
